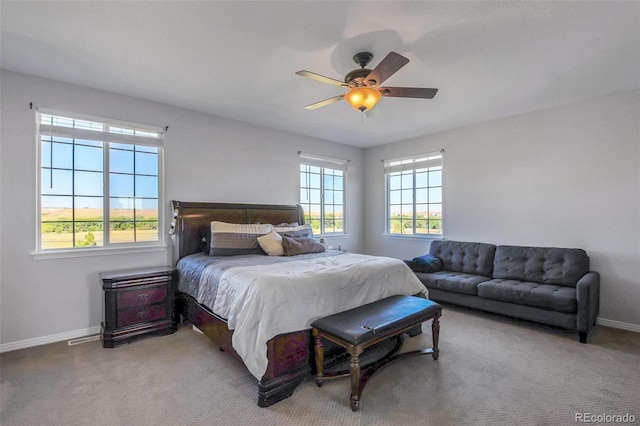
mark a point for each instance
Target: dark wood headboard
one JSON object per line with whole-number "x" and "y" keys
{"x": 192, "y": 220}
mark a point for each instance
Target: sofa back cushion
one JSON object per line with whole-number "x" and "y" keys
{"x": 470, "y": 258}
{"x": 547, "y": 265}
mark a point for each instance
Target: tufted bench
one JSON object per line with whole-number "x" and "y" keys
{"x": 362, "y": 327}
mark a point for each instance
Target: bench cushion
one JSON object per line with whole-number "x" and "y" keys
{"x": 366, "y": 322}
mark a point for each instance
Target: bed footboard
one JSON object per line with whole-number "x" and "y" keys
{"x": 290, "y": 355}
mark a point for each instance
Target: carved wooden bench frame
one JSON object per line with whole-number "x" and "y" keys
{"x": 359, "y": 377}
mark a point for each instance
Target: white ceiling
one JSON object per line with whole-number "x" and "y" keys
{"x": 237, "y": 59}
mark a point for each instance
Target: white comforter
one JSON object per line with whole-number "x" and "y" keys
{"x": 263, "y": 301}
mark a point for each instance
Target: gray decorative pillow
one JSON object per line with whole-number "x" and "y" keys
{"x": 285, "y": 224}
{"x": 297, "y": 231}
{"x": 427, "y": 263}
{"x": 295, "y": 246}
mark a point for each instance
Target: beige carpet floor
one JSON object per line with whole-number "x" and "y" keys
{"x": 492, "y": 371}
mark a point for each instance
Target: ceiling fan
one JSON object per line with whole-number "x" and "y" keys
{"x": 364, "y": 84}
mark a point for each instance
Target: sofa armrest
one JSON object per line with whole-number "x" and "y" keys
{"x": 588, "y": 295}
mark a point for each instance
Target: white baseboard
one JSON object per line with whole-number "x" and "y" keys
{"x": 22, "y": 344}
{"x": 618, "y": 324}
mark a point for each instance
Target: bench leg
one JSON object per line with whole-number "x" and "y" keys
{"x": 319, "y": 358}
{"x": 435, "y": 332}
{"x": 355, "y": 382}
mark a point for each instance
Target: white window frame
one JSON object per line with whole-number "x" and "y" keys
{"x": 326, "y": 163}
{"x": 106, "y": 131}
{"x": 413, "y": 163}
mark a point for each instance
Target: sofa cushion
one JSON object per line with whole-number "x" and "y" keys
{"x": 546, "y": 265}
{"x": 456, "y": 282}
{"x": 470, "y": 258}
{"x": 545, "y": 296}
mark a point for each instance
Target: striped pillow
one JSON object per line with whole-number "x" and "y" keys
{"x": 229, "y": 239}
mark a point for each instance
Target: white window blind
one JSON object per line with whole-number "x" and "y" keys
{"x": 433, "y": 159}
{"x": 77, "y": 126}
{"x": 328, "y": 162}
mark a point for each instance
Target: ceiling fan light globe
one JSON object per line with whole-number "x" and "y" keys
{"x": 362, "y": 98}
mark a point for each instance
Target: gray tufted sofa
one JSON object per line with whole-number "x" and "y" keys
{"x": 544, "y": 284}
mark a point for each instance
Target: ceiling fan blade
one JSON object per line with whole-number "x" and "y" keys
{"x": 321, "y": 78}
{"x": 325, "y": 102}
{"x": 408, "y": 92}
{"x": 385, "y": 69}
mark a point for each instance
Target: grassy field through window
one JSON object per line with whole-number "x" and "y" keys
{"x": 58, "y": 226}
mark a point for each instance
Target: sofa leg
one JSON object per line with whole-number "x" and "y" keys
{"x": 583, "y": 336}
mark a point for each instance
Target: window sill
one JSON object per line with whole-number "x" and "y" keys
{"x": 109, "y": 251}
{"x": 413, "y": 237}
{"x": 332, "y": 236}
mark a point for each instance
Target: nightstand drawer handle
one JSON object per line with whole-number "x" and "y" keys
{"x": 143, "y": 315}
{"x": 143, "y": 297}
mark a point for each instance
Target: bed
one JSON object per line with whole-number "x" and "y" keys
{"x": 261, "y": 307}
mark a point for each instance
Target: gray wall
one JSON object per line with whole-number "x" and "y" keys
{"x": 206, "y": 159}
{"x": 567, "y": 177}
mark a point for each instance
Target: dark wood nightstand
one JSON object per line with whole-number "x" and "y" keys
{"x": 137, "y": 302}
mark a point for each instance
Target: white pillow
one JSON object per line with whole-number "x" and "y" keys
{"x": 271, "y": 243}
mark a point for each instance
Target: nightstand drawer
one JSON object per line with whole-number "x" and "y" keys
{"x": 145, "y": 296}
{"x": 143, "y": 314}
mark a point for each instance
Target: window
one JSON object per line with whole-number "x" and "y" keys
{"x": 322, "y": 193}
{"x": 100, "y": 182}
{"x": 414, "y": 195}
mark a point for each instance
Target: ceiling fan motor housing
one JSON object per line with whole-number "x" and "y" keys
{"x": 356, "y": 77}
